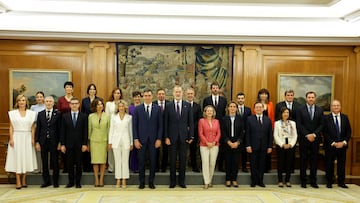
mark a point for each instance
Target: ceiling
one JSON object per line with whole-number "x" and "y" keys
{"x": 230, "y": 21}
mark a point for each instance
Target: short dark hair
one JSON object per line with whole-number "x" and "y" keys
{"x": 95, "y": 103}
{"x": 69, "y": 83}
{"x": 40, "y": 92}
{"x": 136, "y": 93}
{"x": 264, "y": 91}
{"x": 310, "y": 92}
{"x": 148, "y": 90}
{"x": 258, "y": 102}
{"x": 214, "y": 84}
{"x": 289, "y": 91}
{"x": 284, "y": 108}
{"x": 160, "y": 89}
{"x": 89, "y": 86}
{"x": 240, "y": 94}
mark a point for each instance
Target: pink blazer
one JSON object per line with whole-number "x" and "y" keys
{"x": 207, "y": 133}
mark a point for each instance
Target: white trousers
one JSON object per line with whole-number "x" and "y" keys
{"x": 121, "y": 159}
{"x": 208, "y": 160}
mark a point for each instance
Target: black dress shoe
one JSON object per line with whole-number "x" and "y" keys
{"x": 171, "y": 186}
{"x": 343, "y": 185}
{"x": 151, "y": 186}
{"x": 182, "y": 186}
{"x": 141, "y": 186}
{"x": 196, "y": 170}
{"x": 329, "y": 185}
{"x": 303, "y": 185}
{"x": 245, "y": 170}
{"x": 314, "y": 185}
{"x": 78, "y": 186}
{"x": 45, "y": 185}
{"x": 261, "y": 184}
{"x": 252, "y": 185}
{"x": 56, "y": 185}
{"x": 69, "y": 185}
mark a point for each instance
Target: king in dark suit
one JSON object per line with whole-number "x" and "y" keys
{"x": 147, "y": 132}
{"x": 219, "y": 103}
{"x": 309, "y": 127}
{"x": 337, "y": 133}
{"x": 74, "y": 140}
{"x": 179, "y": 130}
{"x": 258, "y": 143}
{"x": 47, "y": 140}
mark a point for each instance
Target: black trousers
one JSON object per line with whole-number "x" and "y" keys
{"x": 308, "y": 151}
{"x": 74, "y": 159}
{"x": 150, "y": 148}
{"x": 194, "y": 149}
{"x": 257, "y": 160}
{"x": 332, "y": 153}
{"x": 177, "y": 149}
{"x": 285, "y": 163}
{"x": 232, "y": 157}
{"x": 47, "y": 148}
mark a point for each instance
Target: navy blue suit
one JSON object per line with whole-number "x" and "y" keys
{"x": 47, "y": 134}
{"x": 147, "y": 130}
{"x": 178, "y": 130}
{"x": 331, "y": 153}
{"x": 244, "y": 154}
{"x": 259, "y": 138}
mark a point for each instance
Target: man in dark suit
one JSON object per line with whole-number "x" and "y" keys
{"x": 258, "y": 143}
{"x": 197, "y": 114}
{"x": 74, "y": 140}
{"x": 244, "y": 112}
{"x": 161, "y": 102}
{"x": 47, "y": 140}
{"x": 289, "y": 103}
{"x": 309, "y": 126}
{"x": 337, "y": 133}
{"x": 219, "y": 103}
{"x": 179, "y": 130}
{"x": 147, "y": 132}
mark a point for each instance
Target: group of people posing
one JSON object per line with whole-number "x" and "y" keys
{"x": 124, "y": 137}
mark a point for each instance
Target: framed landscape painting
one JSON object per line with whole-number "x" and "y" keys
{"x": 30, "y": 81}
{"x": 321, "y": 84}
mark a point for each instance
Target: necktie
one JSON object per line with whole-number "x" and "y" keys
{"x": 178, "y": 109}
{"x": 311, "y": 112}
{"x": 162, "y": 106}
{"x": 259, "y": 120}
{"x": 241, "y": 111}
{"x": 48, "y": 116}
{"x": 148, "y": 110}
{"x": 216, "y": 101}
{"x": 337, "y": 126}
{"x": 74, "y": 119}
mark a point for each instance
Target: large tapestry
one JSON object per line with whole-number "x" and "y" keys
{"x": 142, "y": 66}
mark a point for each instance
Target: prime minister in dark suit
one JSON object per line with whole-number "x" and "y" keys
{"x": 337, "y": 133}
{"x": 147, "y": 132}
{"x": 74, "y": 140}
{"x": 258, "y": 143}
{"x": 289, "y": 103}
{"x": 47, "y": 139}
{"x": 179, "y": 130}
{"x": 309, "y": 127}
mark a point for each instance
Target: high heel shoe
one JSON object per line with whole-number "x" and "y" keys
{"x": 235, "y": 184}
{"x": 18, "y": 187}
{"x": 227, "y": 184}
{"x": 206, "y": 186}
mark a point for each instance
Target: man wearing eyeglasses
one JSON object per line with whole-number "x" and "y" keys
{"x": 73, "y": 139}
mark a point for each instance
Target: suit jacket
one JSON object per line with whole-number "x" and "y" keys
{"x": 258, "y": 137}
{"x": 330, "y": 132}
{"x": 86, "y": 105}
{"x": 179, "y": 127}
{"x": 238, "y": 129}
{"x": 221, "y": 107}
{"x": 305, "y": 125}
{"x": 270, "y": 112}
{"x": 147, "y": 129}
{"x": 196, "y": 109}
{"x": 294, "y": 106}
{"x": 74, "y": 137}
{"x": 53, "y": 127}
{"x": 209, "y": 134}
{"x": 121, "y": 132}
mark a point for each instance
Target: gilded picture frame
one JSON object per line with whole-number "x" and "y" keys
{"x": 321, "y": 84}
{"x": 30, "y": 81}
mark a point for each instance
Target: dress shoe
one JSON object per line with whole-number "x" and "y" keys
{"x": 78, "y": 186}
{"x": 206, "y": 186}
{"x": 280, "y": 184}
{"x": 245, "y": 170}
{"x": 261, "y": 184}
{"x": 24, "y": 186}
{"x": 18, "y": 187}
{"x": 329, "y": 185}
{"x": 56, "y": 185}
{"x": 69, "y": 185}
{"x": 141, "y": 186}
{"x": 252, "y": 185}
{"x": 303, "y": 185}
{"x": 314, "y": 185}
{"x": 182, "y": 186}
{"x": 343, "y": 185}
{"x": 171, "y": 186}
{"x": 45, "y": 185}
{"x": 151, "y": 186}
{"x": 196, "y": 170}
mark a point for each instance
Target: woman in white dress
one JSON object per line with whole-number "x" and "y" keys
{"x": 21, "y": 157}
{"x": 121, "y": 141}
{"x": 110, "y": 109}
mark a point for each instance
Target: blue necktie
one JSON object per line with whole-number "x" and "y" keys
{"x": 148, "y": 111}
{"x": 74, "y": 119}
{"x": 337, "y": 127}
{"x": 178, "y": 109}
{"x": 311, "y": 112}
